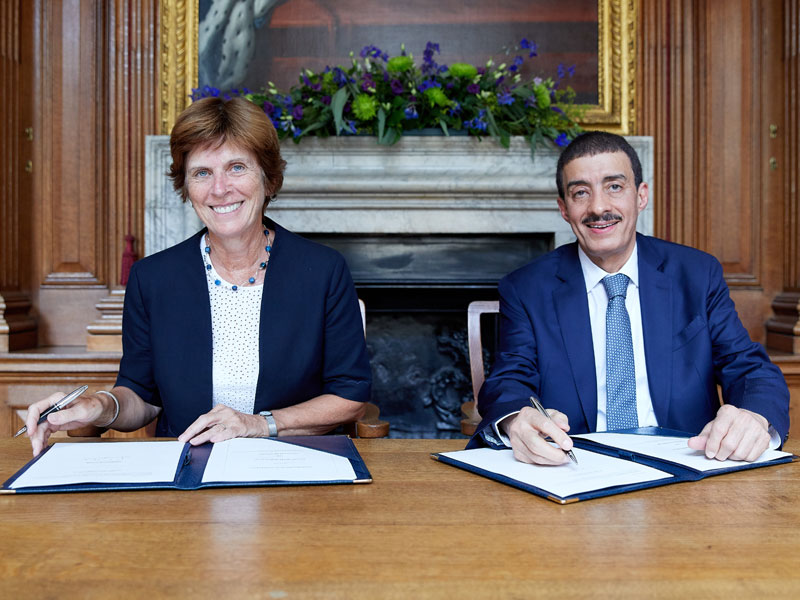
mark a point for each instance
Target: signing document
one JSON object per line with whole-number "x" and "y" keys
{"x": 593, "y": 471}
{"x": 672, "y": 449}
{"x": 246, "y": 459}
{"x": 608, "y": 464}
{"x": 103, "y": 462}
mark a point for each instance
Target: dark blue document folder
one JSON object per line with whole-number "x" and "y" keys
{"x": 192, "y": 464}
{"x": 674, "y": 472}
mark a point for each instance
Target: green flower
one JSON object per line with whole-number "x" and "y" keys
{"x": 365, "y": 107}
{"x": 436, "y": 97}
{"x": 463, "y": 70}
{"x": 399, "y": 64}
{"x": 542, "y": 95}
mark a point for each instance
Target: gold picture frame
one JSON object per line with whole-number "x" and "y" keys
{"x": 616, "y": 77}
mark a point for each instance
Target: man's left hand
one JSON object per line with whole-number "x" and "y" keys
{"x": 735, "y": 434}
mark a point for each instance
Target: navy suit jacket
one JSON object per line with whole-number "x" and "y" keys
{"x": 311, "y": 339}
{"x": 693, "y": 340}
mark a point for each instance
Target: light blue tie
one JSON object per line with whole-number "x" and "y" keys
{"x": 620, "y": 371}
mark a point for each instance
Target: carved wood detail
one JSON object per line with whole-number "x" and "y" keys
{"x": 783, "y": 330}
{"x": 105, "y": 334}
{"x": 17, "y": 326}
{"x": 703, "y": 68}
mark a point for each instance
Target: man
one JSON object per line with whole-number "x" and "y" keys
{"x": 646, "y": 347}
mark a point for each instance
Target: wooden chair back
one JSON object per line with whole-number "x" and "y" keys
{"x": 369, "y": 426}
{"x": 469, "y": 410}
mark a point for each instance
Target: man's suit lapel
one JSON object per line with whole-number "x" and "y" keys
{"x": 655, "y": 299}
{"x": 572, "y": 311}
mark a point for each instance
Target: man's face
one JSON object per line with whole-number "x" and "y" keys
{"x": 602, "y": 205}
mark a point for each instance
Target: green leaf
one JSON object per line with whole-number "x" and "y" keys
{"x": 381, "y": 122}
{"x": 390, "y": 138}
{"x": 338, "y": 101}
{"x": 443, "y": 125}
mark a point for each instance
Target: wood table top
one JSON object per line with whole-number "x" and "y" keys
{"x": 422, "y": 529}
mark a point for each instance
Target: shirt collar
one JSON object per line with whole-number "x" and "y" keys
{"x": 593, "y": 275}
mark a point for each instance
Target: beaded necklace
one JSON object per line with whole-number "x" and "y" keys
{"x": 261, "y": 267}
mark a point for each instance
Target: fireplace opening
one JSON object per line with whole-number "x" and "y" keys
{"x": 417, "y": 289}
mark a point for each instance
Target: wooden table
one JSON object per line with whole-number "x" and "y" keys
{"x": 421, "y": 530}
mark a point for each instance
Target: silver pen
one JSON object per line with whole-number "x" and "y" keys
{"x": 56, "y": 407}
{"x": 538, "y": 406}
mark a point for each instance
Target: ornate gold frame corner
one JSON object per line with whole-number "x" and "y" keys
{"x": 616, "y": 73}
{"x": 179, "y": 24}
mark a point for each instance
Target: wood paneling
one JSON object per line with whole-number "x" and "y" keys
{"x": 71, "y": 117}
{"x": 17, "y": 326}
{"x": 783, "y": 330}
{"x": 710, "y": 85}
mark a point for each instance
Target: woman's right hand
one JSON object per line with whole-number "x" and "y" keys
{"x": 85, "y": 410}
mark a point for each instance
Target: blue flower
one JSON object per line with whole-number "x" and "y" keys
{"x": 351, "y": 128}
{"x": 516, "y": 64}
{"x": 339, "y": 77}
{"x": 473, "y": 88}
{"x": 429, "y": 83}
{"x": 374, "y": 52}
{"x": 562, "y": 140}
{"x": 297, "y": 132}
{"x": 429, "y": 65}
{"x": 477, "y": 123}
{"x": 411, "y": 112}
{"x": 505, "y": 98}
{"x": 528, "y": 46}
{"x": 571, "y": 71}
{"x": 297, "y": 112}
{"x": 561, "y": 72}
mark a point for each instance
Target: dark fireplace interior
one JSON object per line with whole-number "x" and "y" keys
{"x": 416, "y": 289}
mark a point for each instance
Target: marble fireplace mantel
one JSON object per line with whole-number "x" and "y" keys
{"x": 421, "y": 185}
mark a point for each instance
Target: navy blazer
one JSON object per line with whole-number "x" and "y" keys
{"x": 693, "y": 340}
{"x": 311, "y": 339}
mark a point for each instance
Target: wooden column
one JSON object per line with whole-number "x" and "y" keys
{"x": 710, "y": 88}
{"x": 94, "y": 65}
{"x": 133, "y": 107}
{"x": 17, "y": 326}
{"x": 783, "y": 330}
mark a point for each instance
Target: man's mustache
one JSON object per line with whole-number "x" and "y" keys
{"x": 607, "y": 216}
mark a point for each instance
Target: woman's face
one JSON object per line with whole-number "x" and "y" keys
{"x": 226, "y": 188}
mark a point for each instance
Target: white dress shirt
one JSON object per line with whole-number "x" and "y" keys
{"x": 598, "y": 304}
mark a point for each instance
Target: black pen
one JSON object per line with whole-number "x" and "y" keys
{"x": 56, "y": 407}
{"x": 538, "y": 406}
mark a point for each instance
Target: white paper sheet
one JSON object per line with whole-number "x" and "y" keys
{"x": 262, "y": 459}
{"x": 103, "y": 462}
{"x": 670, "y": 448}
{"x": 593, "y": 471}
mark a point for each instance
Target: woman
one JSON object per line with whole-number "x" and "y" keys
{"x": 243, "y": 330}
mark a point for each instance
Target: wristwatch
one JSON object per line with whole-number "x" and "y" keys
{"x": 273, "y": 427}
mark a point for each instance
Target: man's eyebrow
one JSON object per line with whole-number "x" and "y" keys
{"x": 607, "y": 178}
{"x": 574, "y": 182}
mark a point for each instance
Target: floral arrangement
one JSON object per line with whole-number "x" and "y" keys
{"x": 389, "y": 96}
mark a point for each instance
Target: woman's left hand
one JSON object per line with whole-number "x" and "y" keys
{"x": 223, "y": 423}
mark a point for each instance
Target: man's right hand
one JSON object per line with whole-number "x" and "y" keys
{"x": 527, "y": 431}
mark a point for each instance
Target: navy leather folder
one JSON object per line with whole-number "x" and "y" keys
{"x": 679, "y": 472}
{"x": 192, "y": 464}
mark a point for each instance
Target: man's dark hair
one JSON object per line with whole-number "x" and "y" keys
{"x": 592, "y": 143}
